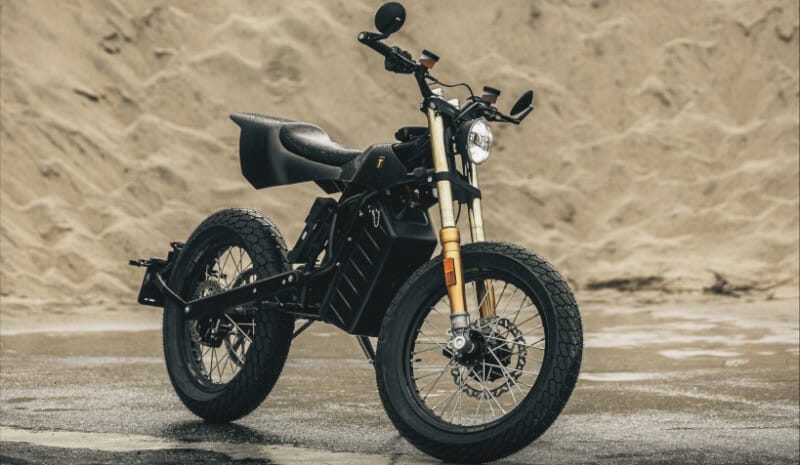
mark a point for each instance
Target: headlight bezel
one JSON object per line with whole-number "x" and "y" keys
{"x": 474, "y": 140}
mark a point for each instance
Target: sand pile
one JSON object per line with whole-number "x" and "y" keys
{"x": 664, "y": 144}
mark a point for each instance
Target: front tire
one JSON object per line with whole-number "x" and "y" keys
{"x": 494, "y": 403}
{"x": 223, "y": 368}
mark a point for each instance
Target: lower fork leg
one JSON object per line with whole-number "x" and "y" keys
{"x": 454, "y": 279}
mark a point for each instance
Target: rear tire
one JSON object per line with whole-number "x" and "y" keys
{"x": 255, "y": 357}
{"x": 529, "y": 362}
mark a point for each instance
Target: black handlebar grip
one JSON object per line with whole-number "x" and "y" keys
{"x": 369, "y": 39}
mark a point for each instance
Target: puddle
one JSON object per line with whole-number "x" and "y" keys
{"x": 620, "y": 377}
{"x": 110, "y": 442}
{"x": 681, "y": 354}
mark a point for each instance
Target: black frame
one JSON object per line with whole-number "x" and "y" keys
{"x": 384, "y": 174}
{"x": 309, "y": 291}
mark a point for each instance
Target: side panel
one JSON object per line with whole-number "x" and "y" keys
{"x": 382, "y": 244}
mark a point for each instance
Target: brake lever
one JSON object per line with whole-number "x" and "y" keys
{"x": 495, "y": 115}
{"x": 524, "y": 114}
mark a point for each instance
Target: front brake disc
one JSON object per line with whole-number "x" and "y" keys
{"x": 503, "y": 341}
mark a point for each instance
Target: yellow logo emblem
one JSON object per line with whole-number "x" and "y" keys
{"x": 380, "y": 162}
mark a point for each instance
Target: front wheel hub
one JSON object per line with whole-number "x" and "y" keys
{"x": 465, "y": 349}
{"x": 492, "y": 359}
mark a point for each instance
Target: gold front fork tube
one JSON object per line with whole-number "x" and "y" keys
{"x": 449, "y": 235}
{"x": 483, "y": 289}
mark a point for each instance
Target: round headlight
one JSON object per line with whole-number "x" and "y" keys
{"x": 474, "y": 139}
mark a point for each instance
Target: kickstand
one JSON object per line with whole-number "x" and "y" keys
{"x": 366, "y": 346}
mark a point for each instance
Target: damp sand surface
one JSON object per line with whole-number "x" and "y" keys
{"x": 688, "y": 381}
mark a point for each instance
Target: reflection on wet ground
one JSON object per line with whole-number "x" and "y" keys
{"x": 200, "y": 431}
{"x": 684, "y": 382}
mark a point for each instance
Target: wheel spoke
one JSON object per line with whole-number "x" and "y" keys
{"x": 220, "y": 346}
{"x": 426, "y": 375}
{"x": 238, "y": 328}
{"x": 460, "y": 392}
{"x": 478, "y": 408}
{"x": 484, "y": 391}
{"x": 531, "y": 318}
{"x": 434, "y": 382}
{"x": 529, "y": 346}
{"x": 511, "y": 299}
{"x": 227, "y": 360}
{"x": 221, "y": 271}
{"x": 219, "y": 367}
{"x": 502, "y": 292}
{"x": 425, "y": 350}
{"x": 436, "y": 328}
{"x": 516, "y": 315}
{"x": 432, "y": 340}
{"x": 471, "y": 390}
{"x": 483, "y": 300}
{"x": 489, "y": 393}
{"x": 449, "y": 399}
{"x": 211, "y": 365}
{"x": 513, "y": 369}
{"x": 532, "y": 330}
{"x": 509, "y": 379}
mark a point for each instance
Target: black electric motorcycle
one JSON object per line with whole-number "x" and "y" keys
{"x": 478, "y": 348}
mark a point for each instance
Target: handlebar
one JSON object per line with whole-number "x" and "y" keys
{"x": 373, "y": 41}
{"x": 398, "y": 60}
{"x": 478, "y": 107}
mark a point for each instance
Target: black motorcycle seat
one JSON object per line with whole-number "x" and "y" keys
{"x": 310, "y": 141}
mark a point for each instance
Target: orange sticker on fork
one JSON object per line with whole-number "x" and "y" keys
{"x": 449, "y": 272}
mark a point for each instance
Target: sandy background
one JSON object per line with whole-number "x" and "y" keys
{"x": 664, "y": 145}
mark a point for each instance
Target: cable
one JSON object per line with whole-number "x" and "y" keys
{"x": 464, "y": 84}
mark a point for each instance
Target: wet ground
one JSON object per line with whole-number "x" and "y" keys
{"x": 682, "y": 382}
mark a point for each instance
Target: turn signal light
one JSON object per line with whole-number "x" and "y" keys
{"x": 449, "y": 272}
{"x": 490, "y": 95}
{"x": 428, "y": 59}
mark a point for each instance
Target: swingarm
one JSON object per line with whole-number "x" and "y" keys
{"x": 155, "y": 291}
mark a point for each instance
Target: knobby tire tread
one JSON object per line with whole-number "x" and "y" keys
{"x": 267, "y": 355}
{"x": 561, "y": 380}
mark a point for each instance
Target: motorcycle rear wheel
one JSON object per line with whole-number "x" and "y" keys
{"x": 223, "y": 368}
{"x": 500, "y": 399}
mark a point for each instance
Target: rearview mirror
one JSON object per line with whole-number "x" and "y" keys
{"x": 390, "y": 18}
{"x": 524, "y": 102}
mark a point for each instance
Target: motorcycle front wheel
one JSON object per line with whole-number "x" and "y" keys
{"x": 500, "y": 398}
{"x": 223, "y": 368}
